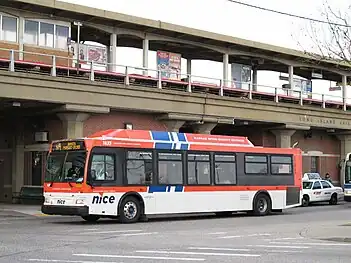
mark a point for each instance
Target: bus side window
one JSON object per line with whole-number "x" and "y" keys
{"x": 103, "y": 167}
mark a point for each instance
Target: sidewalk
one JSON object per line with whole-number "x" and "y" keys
{"x": 340, "y": 232}
{"x": 16, "y": 210}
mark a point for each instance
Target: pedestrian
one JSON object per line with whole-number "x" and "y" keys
{"x": 328, "y": 178}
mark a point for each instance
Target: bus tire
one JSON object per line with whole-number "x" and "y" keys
{"x": 129, "y": 210}
{"x": 91, "y": 218}
{"x": 262, "y": 205}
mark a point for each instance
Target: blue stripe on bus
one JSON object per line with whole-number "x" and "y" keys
{"x": 160, "y": 136}
{"x": 181, "y": 137}
{"x": 347, "y": 186}
{"x": 164, "y": 188}
{"x": 184, "y": 146}
{"x": 163, "y": 145}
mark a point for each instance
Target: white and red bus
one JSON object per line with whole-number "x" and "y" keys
{"x": 130, "y": 174}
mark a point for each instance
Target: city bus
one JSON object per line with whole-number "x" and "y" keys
{"x": 132, "y": 174}
{"x": 346, "y": 177}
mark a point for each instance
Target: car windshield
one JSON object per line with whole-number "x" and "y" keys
{"x": 66, "y": 166}
{"x": 307, "y": 185}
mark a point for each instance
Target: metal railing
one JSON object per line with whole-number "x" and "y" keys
{"x": 65, "y": 66}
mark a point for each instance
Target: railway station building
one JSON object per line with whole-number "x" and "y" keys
{"x": 54, "y": 86}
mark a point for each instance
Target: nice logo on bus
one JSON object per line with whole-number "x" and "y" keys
{"x": 103, "y": 199}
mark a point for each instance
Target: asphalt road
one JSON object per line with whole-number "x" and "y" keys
{"x": 294, "y": 236}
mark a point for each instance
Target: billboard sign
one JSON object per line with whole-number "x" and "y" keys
{"x": 169, "y": 64}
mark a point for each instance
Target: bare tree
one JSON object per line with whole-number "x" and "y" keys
{"x": 330, "y": 40}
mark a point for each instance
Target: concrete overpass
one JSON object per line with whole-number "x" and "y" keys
{"x": 41, "y": 94}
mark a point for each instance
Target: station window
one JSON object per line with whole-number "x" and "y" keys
{"x": 281, "y": 164}
{"x": 256, "y": 164}
{"x": 103, "y": 167}
{"x": 225, "y": 169}
{"x": 45, "y": 34}
{"x": 8, "y": 28}
{"x": 170, "y": 168}
{"x": 139, "y": 167}
{"x": 199, "y": 169}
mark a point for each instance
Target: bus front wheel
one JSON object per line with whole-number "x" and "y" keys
{"x": 129, "y": 210}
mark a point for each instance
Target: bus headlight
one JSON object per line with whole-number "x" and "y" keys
{"x": 80, "y": 202}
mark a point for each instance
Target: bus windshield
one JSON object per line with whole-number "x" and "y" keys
{"x": 65, "y": 166}
{"x": 348, "y": 172}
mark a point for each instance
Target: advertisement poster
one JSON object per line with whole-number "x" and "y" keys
{"x": 169, "y": 64}
{"x": 241, "y": 76}
{"x": 88, "y": 53}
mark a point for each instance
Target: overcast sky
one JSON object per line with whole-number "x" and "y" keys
{"x": 224, "y": 17}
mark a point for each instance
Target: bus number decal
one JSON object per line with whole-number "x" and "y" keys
{"x": 103, "y": 199}
{"x": 107, "y": 143}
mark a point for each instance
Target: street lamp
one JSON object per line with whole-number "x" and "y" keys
{"x": 78, "y": 24}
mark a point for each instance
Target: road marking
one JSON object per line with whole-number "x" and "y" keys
{"x": 284, "y": 238}
{"x": 110, "y": 232}
{"x": 138, "y": 257}
{"x": 228, "y": 237}
{"x": 255, "y": 235}
{"x": 140, "y": 234}
{"x": 217, "y": 233}
{"x": 312, "y": 244}
{"x": 220, "y": 248}
{"x": 196, "y": 253}
{"x": 273, "y": 246}
{"x": 283, "y": 251}
{"x": 69, "y": 261}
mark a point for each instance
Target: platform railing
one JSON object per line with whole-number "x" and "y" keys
{"x": 65, "y": 66}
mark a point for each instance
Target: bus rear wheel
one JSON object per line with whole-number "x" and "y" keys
{"x": 91, "y": 218}
{"x": 129, "y": 210}
{"x": 262, "y": 205}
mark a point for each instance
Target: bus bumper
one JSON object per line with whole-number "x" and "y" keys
{"x": 65, "y": 210}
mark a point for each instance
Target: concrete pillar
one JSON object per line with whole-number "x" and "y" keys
{"x": 291, "y": 77}
{"x": 173, "y": 125}
{"x": 145, "y": 56}
{"x": 254, "y": 78}
{"x": 112, "y": 54}
{"x": 225, "y": 70}
{"x": 205, "y": 128}
{"x": 73, "y": 124}
{"x": 188, "y": 66}
{"x": 345, "y": 144}
{"x": 17, "y": 162}
{"x": 283, "y": 138}
{"x": 345, "y": 147}
{"x": 344, "y": 91}
{"x": 20, "y": 37}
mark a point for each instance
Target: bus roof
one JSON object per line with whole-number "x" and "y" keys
{"x": 172, "y": 141}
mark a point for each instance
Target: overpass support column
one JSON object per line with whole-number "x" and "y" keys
{"x": 291, "y": 77}
{"x": 188, "y": 66}
{"x": 205, "y": 128}
{"x": 73, "y": 124}
{"x": 225, "y": 70}
{"x": 344, "y": 91}
{"x": 112, "y": 54}
{"x": 18, "y": 162}
{"x": 283, "y": 138}
{"x": 145, "y": 56}
{"x": 173, "y": 125}
{"x": 254, "y": 78}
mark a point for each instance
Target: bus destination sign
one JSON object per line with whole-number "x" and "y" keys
{"x": 68, "y": 146}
